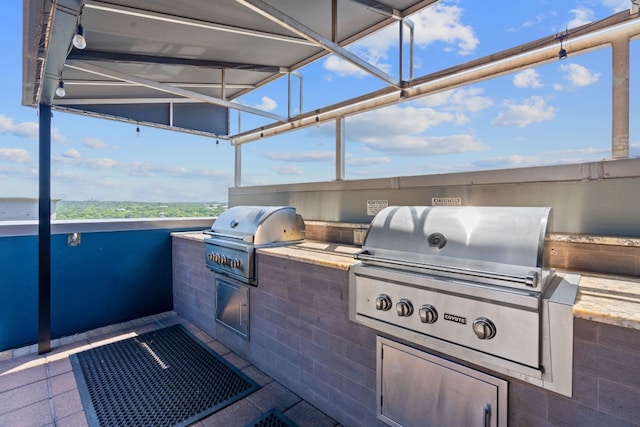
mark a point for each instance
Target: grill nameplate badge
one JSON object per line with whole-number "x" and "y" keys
{"x": 455, "y": 318}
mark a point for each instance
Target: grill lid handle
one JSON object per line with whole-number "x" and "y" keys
{"x": 531, "y": 279}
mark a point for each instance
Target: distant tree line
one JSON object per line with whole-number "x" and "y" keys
{"x": 92, "y": 209}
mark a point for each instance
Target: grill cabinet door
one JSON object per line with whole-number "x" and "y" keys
{"x": 418, "y": 389}
{"x": 232, "y": 307}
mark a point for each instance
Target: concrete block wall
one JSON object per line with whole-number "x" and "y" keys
{"x": 302, "y": 336}
{"x": 606, "y": 383}
{"x": 194, "y": 293}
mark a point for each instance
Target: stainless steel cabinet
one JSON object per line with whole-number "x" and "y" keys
{"x": 232, "y": 306}
{"x": 416, "y": 388}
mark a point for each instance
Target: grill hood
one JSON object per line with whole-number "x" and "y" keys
{"x": 260, "y": 225}
{"x": 496, "y": 241}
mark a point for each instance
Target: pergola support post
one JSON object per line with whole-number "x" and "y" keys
{"x": 44, "y": 230}
{"x": 620, "y": 100}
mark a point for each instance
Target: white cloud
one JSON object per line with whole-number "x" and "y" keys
{"x": 15, "y": 155}
{"x": 443, "y": 23}
{"x": 267, "y": 104}
{"x": 604, "y": 151}
{"x": 366, "y": 161}
{"x": 399, "y": 129}
{"x": 28, "y": 130}
{"x": 287, "y": 170}
{"x": 458, "y": 100}
{"x": 71, "y": 154}
{"x": 507, "y": 162}
{"x": 104, "y": 163}
{"x": 523, "y": 114}
{"x": 72, "y": 158}
{"x": 343, "y": 68}
{"x": 581, "y": 16}
{"x": 395, "y": 120}
{"x": 534, "y": 21}
{"x": 527, "y": 78}
{"x": 418, "y": 145}
{"x": 95, "y": 143}
{"x": 306, "y": 156}
{"x": 578, "y": 75}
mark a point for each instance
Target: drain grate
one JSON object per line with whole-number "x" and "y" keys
{"x": 272, "y": 418}
{"x": 162, "y": 378}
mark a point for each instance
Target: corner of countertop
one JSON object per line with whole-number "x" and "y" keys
{"x": 609, "y": 299}
{"x": 197, "y": 236}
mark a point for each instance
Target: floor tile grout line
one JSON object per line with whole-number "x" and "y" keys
{"x": 50, "y": 393}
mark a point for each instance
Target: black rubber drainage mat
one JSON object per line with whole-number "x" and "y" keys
{"x": 162, "y": 378}
{"x": 272, "y": 418}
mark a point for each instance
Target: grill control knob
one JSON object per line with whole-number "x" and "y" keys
{"x": 235, "y": 263}
{"x": 404, "y": 308}
{"x": 223, "y": 259}
{"x": 383, "y": 302}
{"x": 210, "y": 256}
{"x": 484, "y": 328}
{"x": 428, "y": 314}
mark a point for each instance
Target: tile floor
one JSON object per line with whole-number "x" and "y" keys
{"x": 40, "y": 390}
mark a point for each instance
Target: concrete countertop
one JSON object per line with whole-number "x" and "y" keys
{"x": 609, "y": 299}
{"x": 606, "y": 299}
{"x": 332, "y": 255}
{"x": 197, "y": 236}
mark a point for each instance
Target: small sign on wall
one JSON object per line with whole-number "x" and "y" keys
{"x": 446, "y": 201}
{"x": 375, "y": 206}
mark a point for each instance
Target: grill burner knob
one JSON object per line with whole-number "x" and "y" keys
{"x": 235, "y": 263}
{"x": 404, "y": 308}
{"x": 428, "y": 314}
{"x": 223, "y": 259}
{"x": 383, "y": 302}
{"x": 210, "y": 256}
{"x": 484, "y": 328}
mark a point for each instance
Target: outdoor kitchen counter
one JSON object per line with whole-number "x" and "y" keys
{"x": 197, "y": 236}
{"x": 606, "y": 299}
{"x": 609, "y": 299}
{"x": 332, "y": 255}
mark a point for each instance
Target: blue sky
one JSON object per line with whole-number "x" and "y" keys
{"x": 556, "y": 113}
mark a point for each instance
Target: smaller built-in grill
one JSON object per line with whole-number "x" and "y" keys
{"x": 240, "y": 230}
{"x": 469, "y": 282}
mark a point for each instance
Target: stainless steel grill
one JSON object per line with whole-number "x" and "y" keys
{"x": 468, "y": 282}
{"x": 239, "y": 231}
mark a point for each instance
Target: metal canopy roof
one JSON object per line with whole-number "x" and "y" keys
{"x": 179, "y": 64}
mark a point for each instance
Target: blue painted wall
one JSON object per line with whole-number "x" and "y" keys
{"x": 18, "y": 291}
{"x": 110, "y": 277}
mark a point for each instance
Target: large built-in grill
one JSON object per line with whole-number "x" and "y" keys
{"x": 240, "y": 230}
{"x": 469, "y": 282}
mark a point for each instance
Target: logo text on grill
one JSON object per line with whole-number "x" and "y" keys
{"x": 455, "y": 318}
